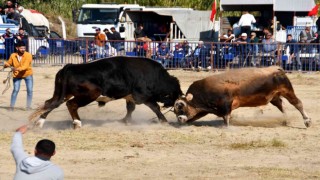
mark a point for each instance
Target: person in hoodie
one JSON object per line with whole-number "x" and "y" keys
{"x": 38, "y": 167}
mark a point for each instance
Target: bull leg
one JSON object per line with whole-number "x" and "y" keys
{"x": 226, "y": 119}
{"x": 295, "y": 101}
{"x": 130, "y": 108}
{"x": 40, "y": 122}
{"x": 156, "y": 109}
{"x": 73, "y": 106}
{"x": 277, "y": 102}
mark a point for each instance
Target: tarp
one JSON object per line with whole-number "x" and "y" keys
{"x": 34, "y": 17}
{"x": 278, "y": 5}
{"x": 190, "y": 22}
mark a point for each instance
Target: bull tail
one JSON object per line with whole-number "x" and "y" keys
{"x": 58, "y": 98}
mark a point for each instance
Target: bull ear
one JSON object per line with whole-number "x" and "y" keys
{"x": 189, "y": 97}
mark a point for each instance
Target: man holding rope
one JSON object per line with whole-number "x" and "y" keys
{"x": 20, "y": 63}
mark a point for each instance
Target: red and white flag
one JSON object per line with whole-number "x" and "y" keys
{"x": 314, "y": 11}
{"x": 214, "y": 10}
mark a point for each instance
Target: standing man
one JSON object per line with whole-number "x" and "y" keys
{"x": 117, "y": 38}
{"x": 100, "y": 42}
{"x": 38, "y": 166}
{"x": 245, "y": 22}
{"x": 20, "y": 63}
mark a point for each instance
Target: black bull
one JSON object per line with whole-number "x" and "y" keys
{"x": 138, "y": 80}
{"x": 220, "y": 94}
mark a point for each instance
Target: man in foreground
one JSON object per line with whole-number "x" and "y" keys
{"x": 38, "y": 166}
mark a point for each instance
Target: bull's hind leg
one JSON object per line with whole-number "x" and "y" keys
{"x": 295, "y": 101}
{"x": 277, "y": 102}
{"x": 130, "y": 108}
{"x": 156, "y": 109}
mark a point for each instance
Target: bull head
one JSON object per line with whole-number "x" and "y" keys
{"x": 181, "y": 108}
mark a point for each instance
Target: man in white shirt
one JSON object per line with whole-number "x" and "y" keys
{"x": 245, "y": 22}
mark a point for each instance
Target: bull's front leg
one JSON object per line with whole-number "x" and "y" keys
{"x": 226, "y": 119}
{"x": 156, "y": 109}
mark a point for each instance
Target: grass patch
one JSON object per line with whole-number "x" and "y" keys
{"x": 275, "y": 143}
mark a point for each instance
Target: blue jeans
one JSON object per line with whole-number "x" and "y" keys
{"x": 16, "y": 87}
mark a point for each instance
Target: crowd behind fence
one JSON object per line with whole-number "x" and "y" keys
{"x": 176, "y": 55}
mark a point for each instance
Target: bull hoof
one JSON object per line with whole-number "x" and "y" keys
{"x": 77, "y": 124}
{"x": 307, "y": 122}
{"x": 39, "y": 123}
{"x": 101, "y": 103}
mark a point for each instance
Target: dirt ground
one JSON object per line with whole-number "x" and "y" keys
{"x": 255, "y": 146}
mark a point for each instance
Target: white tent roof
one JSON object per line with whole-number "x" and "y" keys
{"x": 278, "y": 5}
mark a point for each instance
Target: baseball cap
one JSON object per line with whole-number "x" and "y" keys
{"x": 244, "y": 34}
{"x": 98, "y": 29}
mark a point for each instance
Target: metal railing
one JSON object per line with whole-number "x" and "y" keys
{"x": 174, "y": 55}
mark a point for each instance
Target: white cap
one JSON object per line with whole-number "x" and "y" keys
{"x": 244, "y": 34}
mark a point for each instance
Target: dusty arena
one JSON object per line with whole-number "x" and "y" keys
{"x": 256, "y": 145}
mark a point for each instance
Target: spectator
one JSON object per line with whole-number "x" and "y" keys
{"x": 139, "y": 32}
{"x": 9, "y": 4}
{"x": 139, "y": 50}
{"x": 269, "y": 47}
{"x": 38, "y": 166}
{"x": 265, "y": 32}
{"x": 13, "y": 16}
{"x": 178, "y": 55}
{"x": 116, "y": 44}
{"x": 21, "y": 36}
{"x": 163, "y": 55}
{"x": 108, "y": 34}
{"x": 242, "y": 47}
{"x": 307, "y": 35}
{"x": 199, "y": 56}
{"x": 318, "y": 25}
{"x": 254, "y": 40}
{"x": 229, "y": 37}
{"x": 294, "y": 52}
{"x": 246, "y": 21}
{"x": 100, "y": 42}
{"x": 236, "y": 29}
{"x": 1, "y": 11}
{"x": 8, "y": 34}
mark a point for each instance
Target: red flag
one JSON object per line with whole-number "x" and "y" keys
{"x": 214, "y": 10}
{"x": 314, "y": 11}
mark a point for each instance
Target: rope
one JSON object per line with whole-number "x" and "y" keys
{"x": 7, "y": 82}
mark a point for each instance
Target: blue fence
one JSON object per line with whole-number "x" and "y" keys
{"x": 173, "y": 55}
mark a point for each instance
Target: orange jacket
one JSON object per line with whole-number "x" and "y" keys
{"x": 100, "y": 39}
{"x": 24, "y": 67}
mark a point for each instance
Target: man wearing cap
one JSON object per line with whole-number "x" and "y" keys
{"x": 242, "y": 47}
{"x": 100, "y": 42}
{"x": 21, "y": 65}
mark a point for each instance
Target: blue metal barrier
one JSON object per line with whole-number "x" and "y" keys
{"x": 212, "y": 55}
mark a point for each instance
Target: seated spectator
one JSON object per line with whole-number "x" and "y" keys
{"x": 163, "y": 55}
{"x": 13, "y": 16}
{"x": 199, "y": 56}
{"x": 177, "y": 55}
{"x": 307, "y": 35}
{"x": 139, "y": 50}
{"x": 294, "y": 52}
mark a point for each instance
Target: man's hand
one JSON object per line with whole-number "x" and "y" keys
{"x": 14, "y": 69}
{"x": 22, "y": 129}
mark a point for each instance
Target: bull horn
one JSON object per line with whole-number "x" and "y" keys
{"x": 189, "y": 97}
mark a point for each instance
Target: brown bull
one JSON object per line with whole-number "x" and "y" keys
{"x": 220, "y": 94}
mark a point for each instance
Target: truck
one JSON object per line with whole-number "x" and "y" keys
{"x": 159, "y": 23}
